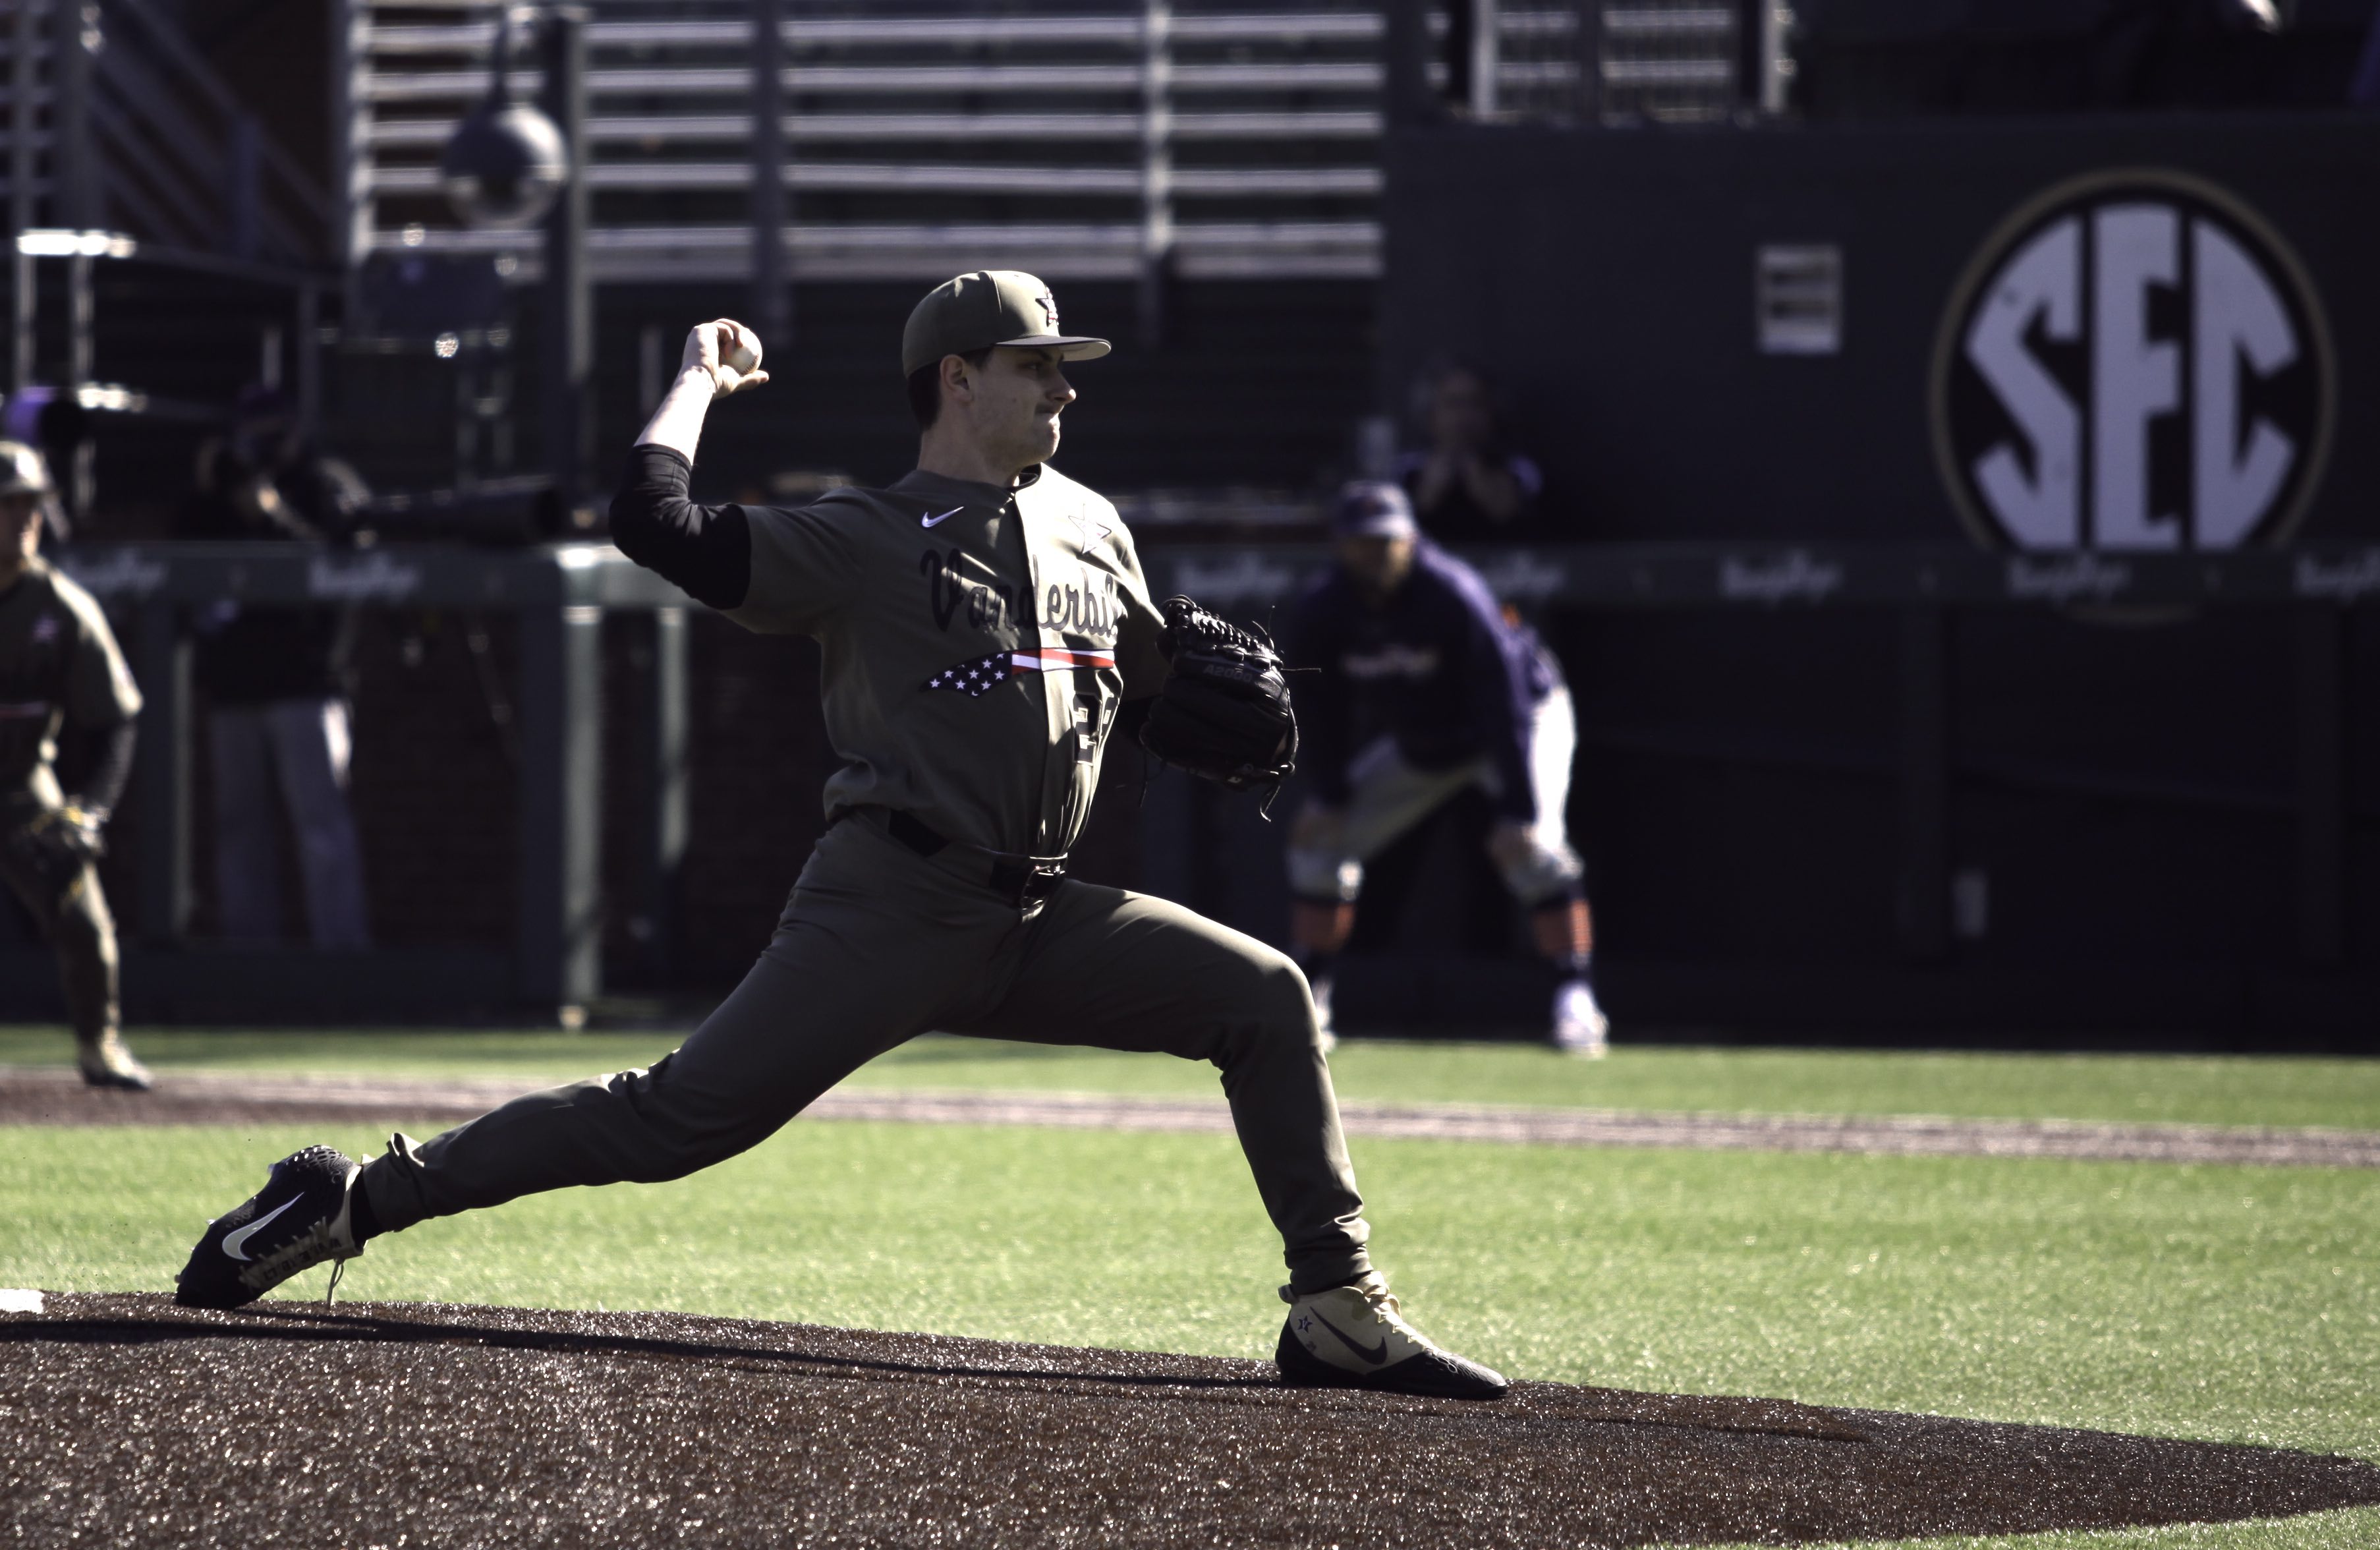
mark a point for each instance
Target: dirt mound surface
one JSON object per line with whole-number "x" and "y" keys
{"x": 137, "y": 1423}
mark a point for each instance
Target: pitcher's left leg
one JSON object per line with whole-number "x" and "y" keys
{"x": 1126, "y": 971}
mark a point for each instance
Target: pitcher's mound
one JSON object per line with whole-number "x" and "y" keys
{"x": 137, "y": 1422}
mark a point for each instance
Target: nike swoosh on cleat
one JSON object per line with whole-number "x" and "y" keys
{"x": 938, "y": 522}
{"x": 1373, "y": 1354}
{"x": 238, "y": 1240}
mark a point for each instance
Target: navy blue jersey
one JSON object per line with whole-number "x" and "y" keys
{"x": 1436, "y": 666}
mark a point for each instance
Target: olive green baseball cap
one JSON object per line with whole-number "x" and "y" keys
{"x": 990, "y": 307}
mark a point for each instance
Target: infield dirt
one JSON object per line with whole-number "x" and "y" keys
{"x": 137, "y": 1423}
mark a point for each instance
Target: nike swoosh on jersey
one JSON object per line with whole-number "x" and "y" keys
{"x": 1372, "y": 1354}
{"x": 938, "y": 522}
{"x": 238, "y": 1241}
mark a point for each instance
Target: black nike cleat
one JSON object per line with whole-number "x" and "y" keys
{"x": 297, "y": 1221}
{"x": 1353, "y": 1337}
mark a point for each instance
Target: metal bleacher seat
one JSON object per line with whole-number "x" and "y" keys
{"x": 1077, "y": 143}
{"x": 1088, "y": 138}
{"x": 1221, "y": 141}
{"x": 1671, "y": 61}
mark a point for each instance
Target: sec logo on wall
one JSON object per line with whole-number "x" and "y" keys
{"x": 2135, "y": 361}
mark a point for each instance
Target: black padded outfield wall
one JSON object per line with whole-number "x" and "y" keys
{"x": 1614, "y": 281}
{"x": 2092, "y": 347}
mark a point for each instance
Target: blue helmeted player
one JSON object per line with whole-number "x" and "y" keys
{"x": 1414, "y": 652}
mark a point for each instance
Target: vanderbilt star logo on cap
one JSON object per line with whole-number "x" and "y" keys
{"x": 987, "y": 308}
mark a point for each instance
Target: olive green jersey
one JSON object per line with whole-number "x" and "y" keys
{"x": 977, "y": 641}
{"x": 58, "y": 664}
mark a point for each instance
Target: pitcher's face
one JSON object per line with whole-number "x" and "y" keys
{"x": 1019, "y": 393}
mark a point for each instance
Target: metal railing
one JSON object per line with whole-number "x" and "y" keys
{"x": 123, "y": 142}
{"x": 116, "y": 122}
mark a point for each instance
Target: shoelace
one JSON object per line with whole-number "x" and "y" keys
{"x": 1376, "y": 1296}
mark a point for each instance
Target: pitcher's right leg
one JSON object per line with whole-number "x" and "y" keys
{"x": 853, "y": 969}
{"x": 774, "y": 1044}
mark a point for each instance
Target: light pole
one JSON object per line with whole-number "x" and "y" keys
{"x": 510, "y": 166}
{"x": 506, "y": 162}
{"x": 568, "y": 334}
{"x": 772, "y": 310}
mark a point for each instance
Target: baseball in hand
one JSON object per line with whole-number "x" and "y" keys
{"x": 726, "y": 352}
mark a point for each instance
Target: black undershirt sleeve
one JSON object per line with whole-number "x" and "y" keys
{"x": 105, "y": 756}
{"x": 707, "y": 550}
{"x": 1131, "y": 716}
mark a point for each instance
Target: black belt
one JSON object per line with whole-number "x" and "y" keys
{"x": 1021, "y": 880}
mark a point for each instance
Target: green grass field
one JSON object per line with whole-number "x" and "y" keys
{"x": 2223, "y": 1302}
{"x": 2210, "y": 1091}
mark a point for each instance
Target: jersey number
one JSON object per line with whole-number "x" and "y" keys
{"x": 1090, "y": 726}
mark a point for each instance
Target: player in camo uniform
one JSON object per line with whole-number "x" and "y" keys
{"x": 984, "y": 627}
{"x": 63, "y": 686}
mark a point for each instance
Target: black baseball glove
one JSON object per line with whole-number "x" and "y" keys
{"x": 1223, "y": 714}
{"x": 54, "y": 848}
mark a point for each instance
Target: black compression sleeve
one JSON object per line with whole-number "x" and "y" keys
{"x": 105, "y": 755}
{"x": 705, "y": 549}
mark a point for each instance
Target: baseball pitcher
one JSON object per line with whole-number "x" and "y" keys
{"x": 63, "y": 688}
{"x": 984, "y": 629}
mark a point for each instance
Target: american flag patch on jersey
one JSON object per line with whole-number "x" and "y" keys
{"x": 974, "y": 678}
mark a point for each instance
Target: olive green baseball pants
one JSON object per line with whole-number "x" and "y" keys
{"x": 75, "y": 921}
{"x": 878, "y": 944}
